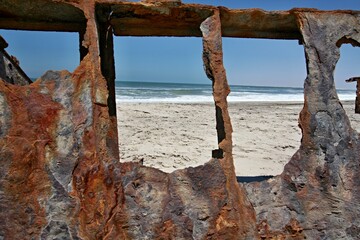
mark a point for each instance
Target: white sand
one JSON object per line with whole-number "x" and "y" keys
{"x": 172, "y": 136}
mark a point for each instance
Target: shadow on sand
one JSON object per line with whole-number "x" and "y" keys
{"x": 250, "y": 179}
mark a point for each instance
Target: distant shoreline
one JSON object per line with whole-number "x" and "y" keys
{"x": 147, "y": 92}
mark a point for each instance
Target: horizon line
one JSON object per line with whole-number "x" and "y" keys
{"x": 241, "y": 85}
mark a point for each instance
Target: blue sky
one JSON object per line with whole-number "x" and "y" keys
{"x": 247, "y": 61}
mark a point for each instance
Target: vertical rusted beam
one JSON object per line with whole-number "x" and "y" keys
{"x": 357, "y": 100}
{"x": 239, "y": 214}
{"x": 106, "y": 43}
{"x": 83, "y": 50}
{"x": 215, "y": 71}
{"x": 99, "y": 143}
{"x": 106, "y": 47}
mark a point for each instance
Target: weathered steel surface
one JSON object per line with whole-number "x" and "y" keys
{"x": 60, "y": 174}
{"x": 317, "y": 194}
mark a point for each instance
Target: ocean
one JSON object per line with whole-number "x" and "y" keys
{"x": 202, "y": 93}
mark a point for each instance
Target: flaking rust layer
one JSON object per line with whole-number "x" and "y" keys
{"x": 317, "y": 194}
{"x": 60, "y": 174}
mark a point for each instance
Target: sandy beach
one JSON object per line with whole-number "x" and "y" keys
{"x": 172, "y": 136}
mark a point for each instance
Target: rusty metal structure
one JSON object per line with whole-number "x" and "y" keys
{"x": 61, "y": 176}
{"x": 357, "y": 100}
{"x": 10, "y": 70}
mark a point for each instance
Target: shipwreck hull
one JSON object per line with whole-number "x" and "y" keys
{"x": 61, "y": 176}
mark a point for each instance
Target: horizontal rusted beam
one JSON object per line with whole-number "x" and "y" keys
{"x": 353, "y": 79}
{"x": 150, "y": 19}
{"x": 41, "y": 15}
{"x": 256, "y": 23}
{"x": 15, "y": 24}
{"x": 134, "y": 19}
